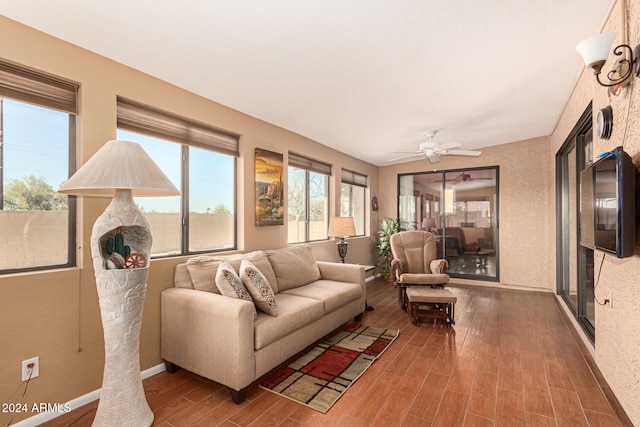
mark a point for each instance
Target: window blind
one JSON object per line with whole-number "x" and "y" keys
{"x": 37, "y": 88}
{"x": 301, "y": 162}
{"x": 354, "y": 178}
{"x": 140, "y": 118}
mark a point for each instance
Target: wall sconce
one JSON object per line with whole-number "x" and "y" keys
{"x": 595, "y": 51}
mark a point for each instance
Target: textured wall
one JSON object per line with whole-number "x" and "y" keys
{"x": 525, "y": 205}
{"x": 617, "y": 347}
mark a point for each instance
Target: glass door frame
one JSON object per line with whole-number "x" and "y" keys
{"x": 577, "y": 140}
{"x": 437, "y": 207}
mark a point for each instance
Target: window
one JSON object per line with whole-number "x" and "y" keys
{"x": 353, "y": 199}
{"x": 308, "y": 199}
{"x": 201, "y": 162}
{"x": 37, "y": 136}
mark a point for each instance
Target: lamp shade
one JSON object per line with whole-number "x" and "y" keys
{"x": 428, "y": 223}
{"x": 595, "y": 49}
{"x": 120, "y": 165}
{"x": 342, "y": 226}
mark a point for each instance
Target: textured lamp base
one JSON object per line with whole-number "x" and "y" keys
{"x": 342, "y": 249}
{"x": 121, "y": 294}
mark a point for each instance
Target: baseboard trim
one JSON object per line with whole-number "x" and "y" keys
{"x": 370, "y": 278}
{"x": 78, "y": 402}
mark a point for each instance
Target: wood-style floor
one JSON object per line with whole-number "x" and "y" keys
{"x": 511, "y": 359}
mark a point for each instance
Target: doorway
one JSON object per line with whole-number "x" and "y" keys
{"x": 461, "y": 208}
{"x": 574, "y": 275}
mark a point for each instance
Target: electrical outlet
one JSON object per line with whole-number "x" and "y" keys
{"x": 30, "y": 368}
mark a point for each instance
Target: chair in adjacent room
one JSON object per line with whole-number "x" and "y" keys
{"x": 414, "y": 262}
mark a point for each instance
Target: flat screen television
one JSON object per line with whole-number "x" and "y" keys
{"x": 608, "y": 204}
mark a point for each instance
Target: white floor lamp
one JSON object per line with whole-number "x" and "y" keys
{"x": 121, "y": 250}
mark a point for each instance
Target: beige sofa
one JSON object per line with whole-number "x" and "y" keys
{"x": 215, "y": 336}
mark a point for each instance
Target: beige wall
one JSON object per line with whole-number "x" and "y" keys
{"x": 54, "y": 315}
{"x": 525, "y": 211}
{"x": 617, "y": 349}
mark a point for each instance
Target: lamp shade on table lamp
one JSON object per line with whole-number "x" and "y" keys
{"x": 428, "y": 223}
{"x": 341, "y": 227}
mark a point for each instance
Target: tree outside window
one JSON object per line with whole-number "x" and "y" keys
{"x": 307, "y": 205}
{"x": 35, "y": 220}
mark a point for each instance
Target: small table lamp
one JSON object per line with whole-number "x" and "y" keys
{"x": 341, "y": 227}
{"x": 121, "y": 250}
{"x": 428, "y": 224}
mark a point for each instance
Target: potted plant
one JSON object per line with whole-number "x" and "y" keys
{"x": 388, "y": 227}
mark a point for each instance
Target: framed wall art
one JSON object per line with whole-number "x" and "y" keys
{"x": 269, "y": 188}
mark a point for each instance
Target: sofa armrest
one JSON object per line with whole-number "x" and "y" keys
{"x": 352, "y": 273}
{"x": 208, "y": 334}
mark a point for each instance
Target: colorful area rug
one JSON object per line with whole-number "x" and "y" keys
{"x": 322, "y": 375}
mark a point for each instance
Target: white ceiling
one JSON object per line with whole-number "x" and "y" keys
{"x": 367, "y": 77}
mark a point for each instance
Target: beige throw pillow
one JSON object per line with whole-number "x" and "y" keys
{"x": 258, "y": 287}
{"x": 203, "y": 269}
{"x": 230, "y": 285}
{"x": 294, "y": 266}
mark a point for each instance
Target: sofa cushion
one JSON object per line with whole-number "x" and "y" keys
{"x": 333, "y": 294}
{"x": 258, "y": 287}
{"x": 294, "y": 313}
{"x": 424, "y": 279}
{"x": 203, "y": 272}
{"x": 203, "y": 269}
{"x": 230, "y": 285}
{"x": 293, "y": 266}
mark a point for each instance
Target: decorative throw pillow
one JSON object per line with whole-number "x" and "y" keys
{"x": 230, "y": 285}
{"x": 258, "y": 287}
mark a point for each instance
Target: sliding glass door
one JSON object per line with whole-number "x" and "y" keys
{"x": 461, "y": 208}
{"x": 575, "y": 263}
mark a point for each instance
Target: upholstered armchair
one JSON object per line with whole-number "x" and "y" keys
{"x": 414, "y": 262}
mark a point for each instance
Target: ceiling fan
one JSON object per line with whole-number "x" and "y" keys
{"x": 433, "y": 150}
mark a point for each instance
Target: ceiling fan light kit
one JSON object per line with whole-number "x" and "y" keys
{"x": 433, "y": 149}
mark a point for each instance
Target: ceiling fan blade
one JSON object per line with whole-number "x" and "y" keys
{"x": 432, "y": 156}
{"x": 462, "y": 153}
